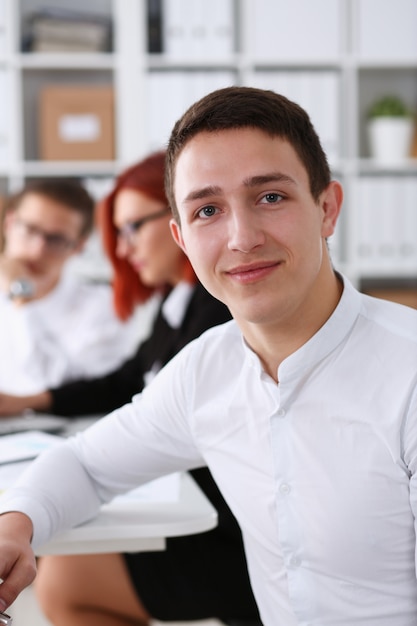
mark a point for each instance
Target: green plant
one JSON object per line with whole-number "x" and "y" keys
{"x": 389, "y": 106}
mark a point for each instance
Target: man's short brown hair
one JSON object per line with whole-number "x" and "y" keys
{"x": 248, "y": 107}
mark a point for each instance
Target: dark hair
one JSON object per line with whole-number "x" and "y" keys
{"x": 248, "y": 107}
{"x": 146, "y": 176}
{"x": 66, "y": 191}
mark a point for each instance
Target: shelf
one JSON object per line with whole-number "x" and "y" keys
{"x": 385, "y": 64}
{"x": 370, "y": 166}
{"x": 334, "y": 61}
{"x": 75, "y": 60}
{"x": 163, "y": 61}
{"x": 69, "y": 168}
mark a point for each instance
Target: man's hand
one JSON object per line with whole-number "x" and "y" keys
{"x": 16, "y": 269}
{"x": 10, "y": 270}
{"x": 14, "y": 405}
{"x": 17, "y": 560}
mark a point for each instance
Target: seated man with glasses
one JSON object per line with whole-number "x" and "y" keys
{"x": 55, "y": 326}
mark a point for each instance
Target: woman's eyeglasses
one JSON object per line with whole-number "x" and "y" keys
{"x": 129, "y": 230}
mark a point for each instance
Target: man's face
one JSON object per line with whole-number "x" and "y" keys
{"x": 42, "y": 234}
{"x": 249, "y": 223}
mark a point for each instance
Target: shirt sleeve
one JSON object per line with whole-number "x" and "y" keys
{"x": 145, "y": 439}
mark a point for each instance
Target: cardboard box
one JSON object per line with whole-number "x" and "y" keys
{"x": 76, "y": 123}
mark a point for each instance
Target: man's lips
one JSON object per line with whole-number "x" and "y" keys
{"x": 252, "y": 272}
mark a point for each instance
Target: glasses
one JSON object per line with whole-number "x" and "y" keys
{"x": 130, "y": 229}
{"x": 54, "y": 242}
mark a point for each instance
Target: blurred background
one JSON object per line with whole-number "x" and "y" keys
{"x": 88, "y": 88}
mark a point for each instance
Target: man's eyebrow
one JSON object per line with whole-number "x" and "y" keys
{"x": 252, "y": 181}
{"x": 273, "y": 177}
{"x": 204, "y": 192}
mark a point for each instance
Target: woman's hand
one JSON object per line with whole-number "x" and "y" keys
{"x": 14, "y": 405}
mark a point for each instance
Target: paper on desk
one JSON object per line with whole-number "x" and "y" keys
{"x": 25, "y": 446}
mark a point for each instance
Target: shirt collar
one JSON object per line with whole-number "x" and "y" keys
{"x": 176, "y": 303}
{"x": 330, "y": 335}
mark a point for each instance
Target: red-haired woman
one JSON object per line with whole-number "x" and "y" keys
{"x": 196, "y": 577}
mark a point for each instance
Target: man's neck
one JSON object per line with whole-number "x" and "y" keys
{"x": 274, "y": 342}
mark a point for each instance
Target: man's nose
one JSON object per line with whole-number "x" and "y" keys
{"x": 245, "y": 232}
{"x": 37, "y": 245}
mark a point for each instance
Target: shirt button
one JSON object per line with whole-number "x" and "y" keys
{"x": 295, "y": 561}
{"x": 285, "y": 489}
{"x": 281, "y": 412}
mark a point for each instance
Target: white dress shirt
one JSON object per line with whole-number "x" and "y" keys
{"x": 320, "y": 470}
{"x": 71, "y": 333}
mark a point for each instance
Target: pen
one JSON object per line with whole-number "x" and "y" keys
{"x": 5, "y": 619}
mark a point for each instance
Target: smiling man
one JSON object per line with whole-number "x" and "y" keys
{"x": 244, "y": 198}
{"x": 304, "y": 406}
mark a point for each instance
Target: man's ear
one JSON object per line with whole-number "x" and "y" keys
{"x": 177, "y": 235}
{"x": 331, "y": 203}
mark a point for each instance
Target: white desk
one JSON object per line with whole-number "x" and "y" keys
{"x": 141, "y": 526}
{"x": 129, "y": 525}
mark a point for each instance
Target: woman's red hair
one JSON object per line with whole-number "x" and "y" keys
{"x": 146, "y": 176}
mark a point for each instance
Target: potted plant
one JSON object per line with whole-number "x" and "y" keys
{"x": 391, "y": 126}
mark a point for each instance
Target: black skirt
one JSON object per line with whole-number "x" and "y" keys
{"x": 197, "y": 576}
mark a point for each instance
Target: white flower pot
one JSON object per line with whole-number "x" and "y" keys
{"x": 390, "y": 138}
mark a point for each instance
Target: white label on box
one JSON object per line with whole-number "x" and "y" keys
{"x": 77, "y": 128}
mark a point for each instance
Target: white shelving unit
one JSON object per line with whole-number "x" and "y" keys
{"x": 334, "y": 61}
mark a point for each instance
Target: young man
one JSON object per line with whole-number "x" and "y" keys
{"x": 55, "y": 326}
{"x": 304, "y": 406}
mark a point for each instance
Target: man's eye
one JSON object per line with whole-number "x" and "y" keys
{"x": 207, "y": 211}
{"x": 271, "y": 198}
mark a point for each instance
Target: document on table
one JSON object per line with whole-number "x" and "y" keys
{"x": 25, "y": 446}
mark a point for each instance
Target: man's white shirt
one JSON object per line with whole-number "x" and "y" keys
{"x": 320, "y": 470}
{"x": 71, "y": 333}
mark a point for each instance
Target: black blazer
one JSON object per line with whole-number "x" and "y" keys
{"x": 103, "y": 394}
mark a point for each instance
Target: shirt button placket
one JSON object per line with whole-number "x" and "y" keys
{"x": 287, "y": 525}
{"x": 285, "y": 489}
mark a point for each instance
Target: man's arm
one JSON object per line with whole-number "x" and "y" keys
{"x": 145, "y": 439}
